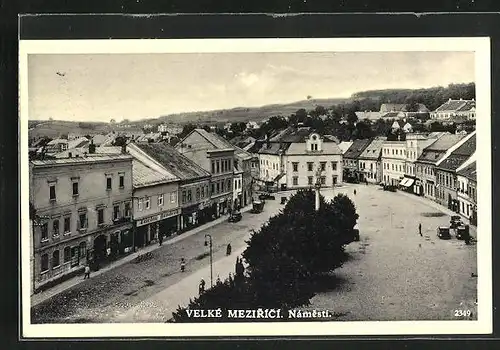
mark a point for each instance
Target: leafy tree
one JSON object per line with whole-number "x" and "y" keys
{"x": 120, "y": 141}
{"x": 186, "y": 129}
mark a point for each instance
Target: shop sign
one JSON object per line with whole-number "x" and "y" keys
{"x": 158, "y": 217}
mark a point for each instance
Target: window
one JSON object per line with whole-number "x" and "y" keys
{"x": 222, "y": 185}
{"x": 67, "y": 254}
{"x": 147, "y": 202}
{"x": 239, "y": 183}
{"x": 108, "y": 183}
{"x": 334, "y": 166}
{"x": 189, "y": 196}
{"x": 116, "y": 212}
{"x": 309, "y": 180}
{"x": 172, "y": 197}
{"x": 75, "y": 188}
{"x": 55, "y": 259}
{"x": 323, "y": 166}
{"x": 322, "y": 180}
{"x": 295, "y": 180}
{"x": 45, "y": 263}
{"x": 213, "y": 167}
{"x": 100, "y": 216}
{"x": 218, "y": 167}
{"x": 52, "y": 192}
{"x": 218, "y": 187}
{"x": 55, "y": 228}
{"x": 160, "y": 200}
{"x": 127, "y": 210}
{"x": 67, "y": 224}
{"x": 309, "y": 166}
{"x": 334, "y": 180}
{"x": 122, "y": 181}
{"x": 213, "y": 188}
{"x": 229, "y": 187}
{"x": 198, "y": 194}
{"x": 44, "y": 230}
{"x": 139, "y": 204}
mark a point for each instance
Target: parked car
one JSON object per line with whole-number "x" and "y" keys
{"x": 391, "y": 188}
{"x": 257, "y": 207}
{"x": 266, "y": 196}
{"x": 443, "y": 232}
{"x": 235, "y": 217}
{"x": 283, "y": 200}
{"x": 455, "y": 221}
{"x": 462, "y": 232}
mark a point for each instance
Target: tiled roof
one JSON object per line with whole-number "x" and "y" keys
{"x": 390, "y": 107}
{"x": 331, "y": 138}
{"x": 369, "y": 115}
{"x": 173, "y": 161}
{"x": 344, "y": 146}
{"x": 451, "y": 105}
{"x": 467, "y": 106}
{"x": 357, "y": 147}
{"x": 142, "y": 175}
{"x": 82, "y": 160}
{"x": 372, "y": 151}
{"x": 214, "y": 139}
{"x": 390, "y": 115}
{"x": 273, "y": 148}
{"x": 431, "y": 156}
{"x": 467, "y": 148}
{"x": 445, "y": 142}
{"x": 292, "y": 134}
{"x": 469, "y": 172}
{"x": 299, "y": 148}
{"x": 452, "y": 162}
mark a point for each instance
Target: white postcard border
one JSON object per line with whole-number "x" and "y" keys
{"x": 481, "y": 47}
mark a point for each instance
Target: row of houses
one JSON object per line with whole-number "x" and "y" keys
{"x": 439, "y": 166}
{"x": 112, "y": 200}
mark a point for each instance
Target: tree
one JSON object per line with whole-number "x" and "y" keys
{"x": 120, "y": 141}
{"x": 186, "y": 129}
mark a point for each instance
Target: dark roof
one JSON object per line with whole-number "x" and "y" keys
{"x": 274, "y": 148}
{"x": 292, "y": 134}
{"x": 467, "y": 148}
{"x": 452, "y": 105}
{"x": 357, "y": 147}
{"x": 460, "y": 155}
{"x": 469, "y": 172}
{"x": 390, "y": 115}
{"x": 445, "y": 142}
{"x": 467, "y": 106}
{"x": 452, "y": 163}
{"x": 431, "y": 156}
{"x": 173, "y": 161}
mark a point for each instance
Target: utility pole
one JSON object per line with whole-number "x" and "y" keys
{"x": 211, "y": 260}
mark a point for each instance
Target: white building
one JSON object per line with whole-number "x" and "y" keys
{"x": 370, "y": 161}
{"x": 393, "y": 162}
{"x": 467, "y": 191}
{"x": 453, "y": 110}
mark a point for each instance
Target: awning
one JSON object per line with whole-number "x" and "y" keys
{"x": 406, "y": 182}
{"x": 277, "y": 178}
{"x": 409, "y": 182}
{"x": 402, "y": 183}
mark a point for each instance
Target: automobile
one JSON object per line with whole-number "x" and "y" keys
{"x": 266, "y": 196}
{"x": 462, "y": 232}
{"x": 391, "y": 188}
{"x": 455, "y": 221}
{"x": 443, "y": 232}
{"x": 257, "y": 207}
{"x": 283, "y": 200}
{"x": 235, "y": 217}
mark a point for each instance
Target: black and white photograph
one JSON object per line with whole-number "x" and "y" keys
{"x": 219, "y": 187}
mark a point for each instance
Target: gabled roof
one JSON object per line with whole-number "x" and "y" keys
{"x": 391, "y": 107}
{"x": 469, "y": 172}
{"x": 57, "y": 141}
{"x": 215, "y": 140}
{"x": 357, "y": 147}
{"x": 173, "y": 161}
{"x": 292, "y": 134}
{"x": 452, "y": 105}
{"x": 445, "y": 142}
{"x": 467, "y": 106}
{"x": 142, "y": 175}
{"x": 78, "y": 142}
{"x": 460, "y": 155}
{"x": 372, "y": 151}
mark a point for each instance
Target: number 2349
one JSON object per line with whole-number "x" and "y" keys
{"x": 462, "y": 313}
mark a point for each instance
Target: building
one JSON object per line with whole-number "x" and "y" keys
{"x": 446, "y": 172}
{"x": 216, "y": 156}
{"x": 393, "y": 162}
{"x": 86, "y": 207}
{"x": 344, "y": 146}
{"x": 425, "y": 166}
{"x": 272, "y": 163}
{"x": 351, "y": 160}
{"x": 57, "y": 145}
{"x": 415, "y": 144}
{"x": 370, "y": 161}
{"x": 242, "y": 141}
{"x": 244, "y": 161}
{"x": 402, "y": 125}
{"x": 467, "y": 192}
{"x": 166, "y": 129}
{"x": 251, "y": 125}
{"x": 302, "y": 160}
{"x": 455, "y": 110}
{"x": 401, "y": 110}
{"x": 195, "y": 207}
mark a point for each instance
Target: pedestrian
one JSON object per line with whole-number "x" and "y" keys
{"x": 201, "y": 287}
{"x": 87, "y": 272}
{"x": 183, "y": 265}
{"x": 420, "y": 229}
{"x": 228, "y": 249}
{"x": 354, "y": 192}
{"x": 217, "y": 281}
{"x": 160, "y": 239}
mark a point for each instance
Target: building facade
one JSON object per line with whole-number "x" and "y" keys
{"x": 86, "y": 208}
{"x": 303, "y": 159}
{"x": 351, "y": 160}
{"x": 370, "y": 164}
{"x": 393, "y": 162}
{"x": 451, "y": 109}
{"x": 467, "y": 192}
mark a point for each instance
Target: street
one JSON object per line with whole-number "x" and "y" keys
{"x": 393, "y": 273}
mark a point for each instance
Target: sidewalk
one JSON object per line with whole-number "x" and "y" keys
{"x": 160, "y": 306}
{"x": 48, "y": 293}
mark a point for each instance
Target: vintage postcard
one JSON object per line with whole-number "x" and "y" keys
{"x": 261, "y": 187}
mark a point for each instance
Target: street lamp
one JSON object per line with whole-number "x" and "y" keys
{"x": 211, "y": 261}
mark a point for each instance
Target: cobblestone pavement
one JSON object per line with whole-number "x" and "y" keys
{"x": 394, "y": 273}
{"x": 108, "y": 296}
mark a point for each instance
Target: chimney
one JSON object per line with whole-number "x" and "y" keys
{"x": 124, "y": 149}
{"x": 70, "y": 155}
{"x": 91, "y": 147}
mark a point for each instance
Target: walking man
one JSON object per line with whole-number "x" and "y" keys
{"x": 201, "y": 287}
{"x": 87, "y": 272}
{"x": 354, "y": 192}
{"x": 420, "y": 229}
{"x": 160, "y": 239}
{"x": 183, "y": 265}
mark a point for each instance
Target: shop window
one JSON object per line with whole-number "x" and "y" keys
{"x": 55, "y": 228}
{"x": 55, "y": 259}
{"x": 67, "y": 254}
{"x": 44, "y": 265}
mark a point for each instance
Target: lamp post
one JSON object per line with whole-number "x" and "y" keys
{"x": 211, "y": 261}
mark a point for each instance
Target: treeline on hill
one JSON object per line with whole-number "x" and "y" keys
{"x": 288, "y": 260}
{"x": 341, "y": 121}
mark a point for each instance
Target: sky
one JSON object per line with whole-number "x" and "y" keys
{"x": 101, "y": 87}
